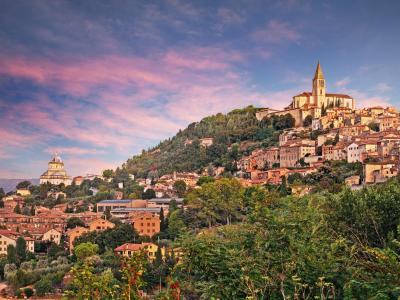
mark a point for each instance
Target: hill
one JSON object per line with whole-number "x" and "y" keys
{"x": 234, "y": 134}
{"x": 9, "y": 184}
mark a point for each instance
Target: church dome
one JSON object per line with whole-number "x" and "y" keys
{"x": 56, "y": 158}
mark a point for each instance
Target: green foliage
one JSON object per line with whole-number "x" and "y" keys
{"x": 86, "y": 284}
{"x": 149, "y": 194}
{"x": 205, "y": 179}
{"x": 17, "y": 209}
{"x": 74, "y": 222}
{"x": 174, "y": 155}
{"x": 307, "y": 121}
{"x": 43, "y": 286}
{"x": 371, "y": 215}
{"x": 282, "y": 122}
{"x": 85, "y": 250}
{"x": 176, "y": 224}
{"x": 23, "y": 184}
{"x": 20, "y": 249}
{"x": 374, "y": 126}
{"x": 286, "y": 249}
{"x": 108, "y": 173}
{"x": 219, "y": 202}
{"x": 110, "y": 238}
{"x": 11, "y": 254}
{"x": 28, "y": 292}
{"x": 180, "y": 188}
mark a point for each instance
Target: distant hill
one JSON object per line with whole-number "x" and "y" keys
{"x": 235, "y": 134}
{"x": 9, "y": 184}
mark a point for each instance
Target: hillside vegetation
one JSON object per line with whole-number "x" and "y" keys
{"x": 235, "y": 134}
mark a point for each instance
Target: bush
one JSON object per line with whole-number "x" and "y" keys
{"x": 43, "y": 286}
{"x": 28, "y": 292}
{"x": 18, "y": 293}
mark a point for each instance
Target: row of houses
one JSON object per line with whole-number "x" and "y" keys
{"x": 377, "y": 150}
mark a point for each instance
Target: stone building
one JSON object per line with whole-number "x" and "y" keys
{"x": 56, "y": 173}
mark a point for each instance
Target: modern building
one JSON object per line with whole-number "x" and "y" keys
{"x": 103, "y": 205}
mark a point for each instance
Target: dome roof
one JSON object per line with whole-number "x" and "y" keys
{"x": 56, "y": 158}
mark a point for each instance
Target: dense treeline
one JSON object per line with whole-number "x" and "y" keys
{"x": 342, "y": 246}
{"x": 230, "y": 132}
{"x": 255, "y": 243}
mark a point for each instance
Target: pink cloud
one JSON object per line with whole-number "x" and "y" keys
{"x": 74, "y": 151}
{"x": 276, "y": 32}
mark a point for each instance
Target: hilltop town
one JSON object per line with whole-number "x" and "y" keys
{"x": 319, "y": 143}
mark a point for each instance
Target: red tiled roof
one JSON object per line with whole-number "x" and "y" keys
{"x": 131, "y": 247}
{"x": 309, "y": 94}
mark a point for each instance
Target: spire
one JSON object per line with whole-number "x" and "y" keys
{"x": 318, "y": 72}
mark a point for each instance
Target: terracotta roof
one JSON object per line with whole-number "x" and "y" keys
{"x": 131, "y": 247}
{"x": 309, "y": 94}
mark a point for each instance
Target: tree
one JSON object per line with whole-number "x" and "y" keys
{"x": 132, "y": 272}
{"x": 374, "y": 126}
{"x": 110, "y": 238}
{"x": 337, "y": 137}
{"x": 74, "y": 222}
{"x": 284, "y": 190}
{"x": 2, "y": 194}
{"x": 23, "y": 184}
{"x": 205, "y": 179}
{"x": 307, "y": 121}
{"x": 33, "y": 210}
{"x": 20, "y": 249}
{"x": 43, "y": 286}
{"x": 176, "y": 224}
{"x": 11, "y": 254}
{"x": 85, "y": 250}
{"x": 162, "y": 220}
{"x": 1, "y": 203}
{"x": 17, "y": 209}
{"x": 108, "y": 173}
{"x": 180, "y": 188}
{"x": 107, "y": 213}
{"x": 217, "y": 202}
{"x": 28, "y": 292}
{"x": 149, "y": 194}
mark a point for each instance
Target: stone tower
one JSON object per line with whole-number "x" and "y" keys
{"x": 319, "y": 87}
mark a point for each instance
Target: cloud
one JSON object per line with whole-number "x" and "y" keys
{"x": 382, "y": 87}
{"x": 364, "y": 99}
{"x": 343, "y": 82}
{"x": 74, "y": 151}
{"x": 276, "y": 32}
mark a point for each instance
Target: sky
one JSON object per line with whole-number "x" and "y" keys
{"x": 98, "y": 81}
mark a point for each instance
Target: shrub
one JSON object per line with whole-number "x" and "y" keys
{"x": 28, "y": 292}
{"x": 18, "y": 293}
{"x": 43, "y": 286}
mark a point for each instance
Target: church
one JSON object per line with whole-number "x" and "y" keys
{"x": 319, "y": 98}
{"x": 56, "y": 173}
{"x": 312, "y": 103}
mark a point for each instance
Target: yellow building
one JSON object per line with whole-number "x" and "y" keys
{"x": 311, "y": 103}
{"x": 319, "y": 98}
{"x": 23, "y": 192}
{"x": 100, "y": 225}
{"x": 56, "y": 173}
{"x": 150, "y": 249}
{"x": 8, "y": 237}
{"x": 52, "y": 235}
{"x": 75, "y": 233}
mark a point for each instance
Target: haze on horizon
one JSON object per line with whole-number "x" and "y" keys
{"x": 98, "y": 81}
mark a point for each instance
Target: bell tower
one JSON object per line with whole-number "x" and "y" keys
{"x": 319, "y": 87}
